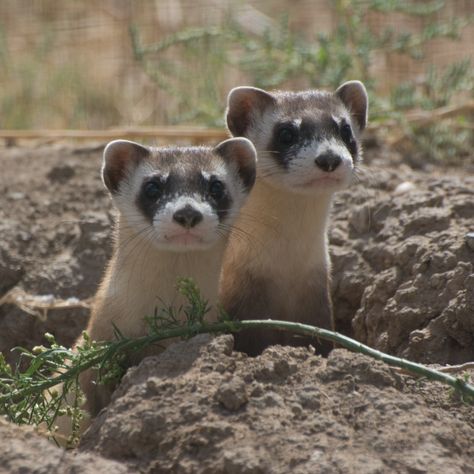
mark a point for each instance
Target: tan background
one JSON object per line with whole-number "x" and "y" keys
{"x": 70, "y": 64}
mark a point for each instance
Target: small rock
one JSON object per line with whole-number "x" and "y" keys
{"x": 359, "y": 219}
{"x": 257, "y": 390}
{"x": 16, "y": 196}
{"x": 310, "y": 398}
{"x": 61, "y": 173}
{"x": 222, "y": 345}
{"x": 11, "y": 272}
{"x": 283, "y": 369}
{"x": 232, "y": 395}
{"x": 296, "y": 409}
{"x": 272, "y": 399}
{"x": 469, "y": 238}
{"x": 266, "y": 371}
{"x": 436, "y": 280}
{"x": 244, "y": 460}
{"x": 404, "y": 187}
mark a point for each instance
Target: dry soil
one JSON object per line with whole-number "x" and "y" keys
{"x": 403, "y": 281}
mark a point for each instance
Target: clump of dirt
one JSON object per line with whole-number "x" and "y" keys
{"x": 199, "y": 407}
{"x": 23, "y": 451}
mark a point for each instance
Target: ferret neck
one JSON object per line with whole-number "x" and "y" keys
{"x": 281, "y": 224}
{"x": 287, "y": 212}
{"x": 140, "y": 264}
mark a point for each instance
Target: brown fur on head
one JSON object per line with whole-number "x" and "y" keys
{"x": 306, "y": 141}
{"x": 121, "y": 156}
{"x": 177, "y": 193}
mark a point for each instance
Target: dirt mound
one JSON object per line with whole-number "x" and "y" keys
{"x": 199, "y": 407}
{"x": 401, "y": 243}
{"x": 55, "y": 224}
{"x": 403, "y": 257}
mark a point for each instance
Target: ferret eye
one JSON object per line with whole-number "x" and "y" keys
{"x": 287, "y": 135}
{"x": 152, "y": 190}
{"x": 346, "y": 133}
{"x": 216, "y": 189}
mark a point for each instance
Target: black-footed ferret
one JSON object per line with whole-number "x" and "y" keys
{"x": 176, "y": 206}
{"x": 307, "y": 145}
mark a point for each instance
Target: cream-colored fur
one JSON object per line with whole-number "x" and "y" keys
{"x": 141, "y": 278}
{"x": 284, "y": 235}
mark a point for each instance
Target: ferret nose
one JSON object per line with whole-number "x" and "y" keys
{"x": 328, "y": 161}
{"x": 187, "y": 217}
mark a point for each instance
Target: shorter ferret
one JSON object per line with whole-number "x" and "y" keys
{"x": 176, "y": 208}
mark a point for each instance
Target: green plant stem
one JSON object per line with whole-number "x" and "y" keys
{"x": 234, "y": 326}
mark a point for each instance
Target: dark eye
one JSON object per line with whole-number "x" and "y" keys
{"x": 152, "y": 190}
{"x": 216, "y": 189}
{"x": 287, "y": 135}
{"x": 346, "y": 132}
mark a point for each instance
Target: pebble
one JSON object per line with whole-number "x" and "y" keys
{"x": 232, "y": 395}
{"x": 404, "y": 187}
{"x": 469, "y": 238}
{"x": 16, "y": 196}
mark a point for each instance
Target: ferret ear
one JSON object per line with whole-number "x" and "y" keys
{"x": 119, "y": 157}
{"x": 242, "y": 104}
{"x": 354, "y": 96}
{"x": 241, "y": 153}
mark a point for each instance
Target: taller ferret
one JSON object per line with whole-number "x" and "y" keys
{"x": 176, "y": 206}
{"x": 278, "y": 265}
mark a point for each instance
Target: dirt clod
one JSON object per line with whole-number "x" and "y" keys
{"x": 61, "y": 173}
{"x": 336, "y": 414}
{"x": 23, "y": 451}
{"x": 232, "y": 395}
{"x": 469, "y": 237}
{"x": 11, "y": 272}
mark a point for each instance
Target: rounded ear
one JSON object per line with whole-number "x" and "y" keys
{"x": 242, "y": 104}
{"x": 119, "y": 157}
{"x": 240, "y": 152}
{"x": 354, "y": 96}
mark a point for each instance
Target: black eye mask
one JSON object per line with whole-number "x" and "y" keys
{"x": 156, "y": 191}
{"x": 288, "y": 138}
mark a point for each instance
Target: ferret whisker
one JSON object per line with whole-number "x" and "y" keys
{"x": 142, "y": 259}
{"x": 137, "y": 240}
{"x": 263, "y": 218}
{"x": 236, "y": 231}
{"x": 125, "y": 242}
{"x": 243, "y": 235}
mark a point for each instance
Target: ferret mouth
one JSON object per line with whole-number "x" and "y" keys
{"x": 184, "y": 239}
{"x": 325, "y": 180}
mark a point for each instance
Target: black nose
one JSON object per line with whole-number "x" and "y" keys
{"x": 187, "y": 217}
{"x": 328, "y": 161}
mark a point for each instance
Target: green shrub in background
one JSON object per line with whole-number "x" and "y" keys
{"x": 192, "y": 65}
{"x": 47, "y": 82}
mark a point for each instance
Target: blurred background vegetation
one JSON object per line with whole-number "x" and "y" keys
{"x": 86, "y": 64}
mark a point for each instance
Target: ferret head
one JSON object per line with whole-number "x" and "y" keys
{"x": 307, "y": 142}
{"x": 179, "y": 198}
